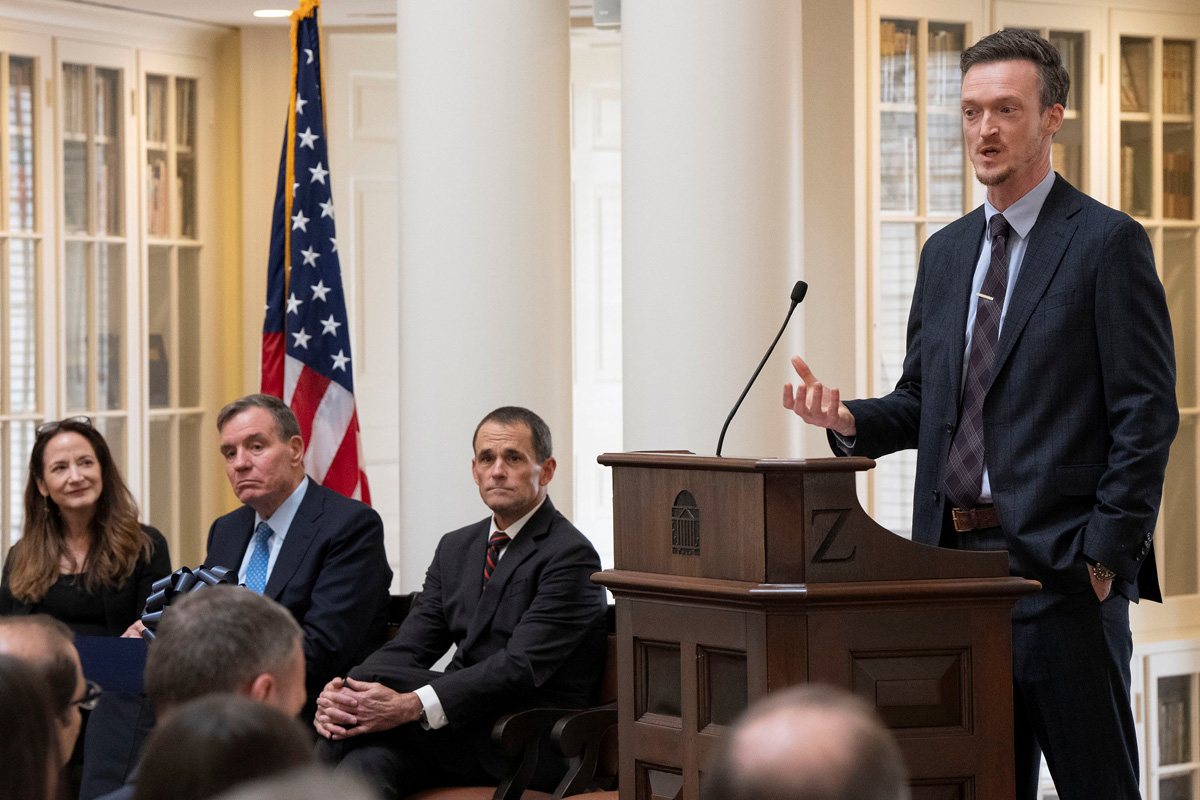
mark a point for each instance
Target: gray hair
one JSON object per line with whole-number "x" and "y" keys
{"x": 217, "y": 640}
{"x": 808, "y": 742}
{"x": 286, "y": 425}
{"x": 314, "y": 783}
{"x": 1018, "y": 44}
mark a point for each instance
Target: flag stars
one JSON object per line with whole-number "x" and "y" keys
{"x": 318, "y": 173}
{"x": 319, "y": 291}
{"x": 310, "y": 257}
{"x": 293, "y": 304}
{"x": 333, "y": 241}
{"x": 300, "y": 102}
{"x": 301, "y": 339}
{"x": 295, "y": 186}
{"x": 327, "y": 209}
{"x": 330, "y": 325}
{"x": 308, "y": 53}
{"x": 340, "y": 360}
{"x": 308, "y": 138}
{"x": 300, "y": 221}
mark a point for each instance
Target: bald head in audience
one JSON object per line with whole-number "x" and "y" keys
{"x": 226, "y": 639}
{"x": 48, "y": 646}
{"x": 808, "y": 743}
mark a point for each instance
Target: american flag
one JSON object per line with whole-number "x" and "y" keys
{"x": 306, "y": 339}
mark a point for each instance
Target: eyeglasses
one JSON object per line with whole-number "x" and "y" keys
{"x": 51, "y": 427}
{"x": 91, "y": 696}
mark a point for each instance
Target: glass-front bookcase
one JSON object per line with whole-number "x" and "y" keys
{"x": 1155, "y": 182}
{"x": 24, "y": 147}
{"x": 98, "y": 273}
{"x": 922, "y": 183}
{"x": 176, "y": 436}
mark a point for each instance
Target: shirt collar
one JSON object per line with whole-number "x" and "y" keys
{"x": 281, "y": 520}
{"x": 1022, "y": 214}
{"x": 515, "y": 528}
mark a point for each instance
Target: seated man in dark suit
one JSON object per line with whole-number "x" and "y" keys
{"x": 513, "y": 593}
{"x": 314, "y": 551}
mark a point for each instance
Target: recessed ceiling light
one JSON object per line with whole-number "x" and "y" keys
{"x": 272, "y": 12}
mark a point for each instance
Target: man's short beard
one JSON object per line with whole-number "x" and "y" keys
{"x": 994, "y": 180}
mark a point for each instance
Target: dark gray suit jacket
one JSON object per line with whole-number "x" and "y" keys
{"x": 1081, "y": 411}
{"x": 332, "y": 574}
{"x": 534, "y": 637}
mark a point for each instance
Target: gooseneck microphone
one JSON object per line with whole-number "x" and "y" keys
{"x": 798, "y": 292}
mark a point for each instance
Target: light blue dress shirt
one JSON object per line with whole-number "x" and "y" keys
{"x": 280, "y": 522}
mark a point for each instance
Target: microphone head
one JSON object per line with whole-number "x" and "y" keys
{"x": 798, "y": 291}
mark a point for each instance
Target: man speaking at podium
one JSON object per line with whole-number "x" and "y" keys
{"x": 1039, "y": 391}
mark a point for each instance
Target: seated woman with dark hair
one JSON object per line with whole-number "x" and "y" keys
{"x": 216, "y": 743}
{"x": 83, "y": 558}
{"x": 31, "y": 765}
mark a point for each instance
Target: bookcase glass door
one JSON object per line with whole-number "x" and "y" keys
{"x": 173, "y": 301}
{"x": 1173, "y": 692}
{"x": 94, "y": 268}
{"x": 22, "y": 243}
{"x": 1156, "y": 184}
{"x": 923, "y": 184}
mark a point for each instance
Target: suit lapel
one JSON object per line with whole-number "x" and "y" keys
{"x": 228, "y": 550}
{"x": 965, "y": 259}
{"x": 525, "y": 545}
{"x": 300, "y": 534}
{"x": 1048, "y": 241}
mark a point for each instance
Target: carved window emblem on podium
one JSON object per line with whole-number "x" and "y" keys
{"x": 685, "y": 525}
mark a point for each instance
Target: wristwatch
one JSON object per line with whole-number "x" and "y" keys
{"x": 423, "y": 718}
{"x": 1102, "y": 573}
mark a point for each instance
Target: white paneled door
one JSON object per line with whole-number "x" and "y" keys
{"x": 361, "y": 101}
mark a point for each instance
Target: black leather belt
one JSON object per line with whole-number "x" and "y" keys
{"x": 974, "y": 519}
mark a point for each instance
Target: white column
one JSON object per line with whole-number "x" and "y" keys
{"x": 711, "y": 191}
{"x": 484, "y": 230}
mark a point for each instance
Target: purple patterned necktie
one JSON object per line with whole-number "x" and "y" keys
{"x": 964, "y": 468}
{"x": 495, "y": 545}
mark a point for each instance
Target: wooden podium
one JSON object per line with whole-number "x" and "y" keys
{"x": 737, "y": 577}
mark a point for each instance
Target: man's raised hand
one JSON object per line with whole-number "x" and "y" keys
{"x": 815, "y": 403}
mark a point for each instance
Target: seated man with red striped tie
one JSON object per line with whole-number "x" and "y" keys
{"x": 312, "y": 550}
{"x": 513, "y": 593}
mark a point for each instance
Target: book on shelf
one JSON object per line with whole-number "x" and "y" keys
{"x": 1066, "y": 47}
{"x": 1178, "y": 180}
{"x": 1127, "y": 164}
{"x": 157, "y": 222}
{"x": 1130, "y": 98}
{"x": 156, "y": 109}
{"x": 1177, "y": 78}
{"x": 1067, "y": 160}
{"x": 184, "y": 110}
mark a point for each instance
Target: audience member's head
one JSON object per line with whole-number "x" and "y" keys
{"x": 226, "y": 639}
{"x": 263, "y": 451}
{"x": 48, "y": 646}
{"x": 809, "y": 742}
{"x": 314, "y": 783}
{"x": 213, "y": 744}
{"x": 513, "y": 463}
{"x": 28, "y": 734}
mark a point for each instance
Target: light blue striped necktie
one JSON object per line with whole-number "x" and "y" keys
{"x": 256, "y": 572}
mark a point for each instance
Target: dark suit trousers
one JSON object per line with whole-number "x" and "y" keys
{"x": 1071, "y": 699}
{"x": 409, "y": 758}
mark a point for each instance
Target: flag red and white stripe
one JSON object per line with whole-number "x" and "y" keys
{"x": 306, "y": 335}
